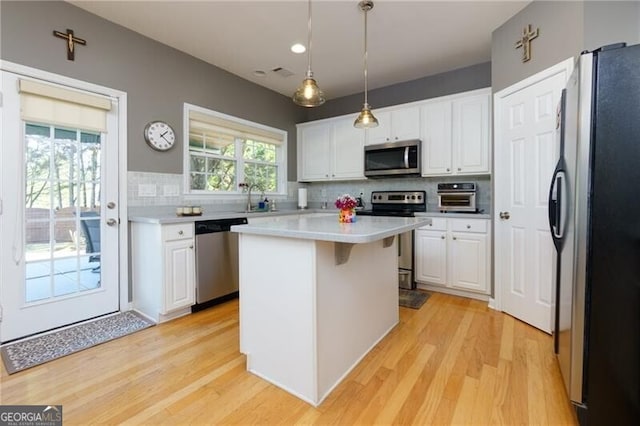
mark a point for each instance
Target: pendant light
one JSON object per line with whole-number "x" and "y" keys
{"x": 366, "y": 119}
{"x": 309, "y": 94}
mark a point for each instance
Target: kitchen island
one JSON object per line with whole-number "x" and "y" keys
{"x": 316, "y": 296}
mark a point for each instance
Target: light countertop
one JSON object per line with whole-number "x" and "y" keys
{"x": 366, "y": 229}
{"x": 164, "y": 217}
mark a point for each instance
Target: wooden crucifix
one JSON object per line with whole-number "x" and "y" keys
{"x": 525, "y": 42}
{"x": 71, "y": 42}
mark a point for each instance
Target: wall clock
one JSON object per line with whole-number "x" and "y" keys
{"x": 159, "y": 135}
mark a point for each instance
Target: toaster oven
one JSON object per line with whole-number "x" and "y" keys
{"x": 457, "y": 197}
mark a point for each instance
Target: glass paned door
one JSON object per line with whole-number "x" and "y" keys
{"x": 59, "y": 249}
{"x": 62, "y": 211}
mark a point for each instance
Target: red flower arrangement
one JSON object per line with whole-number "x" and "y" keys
{"x": 346, "y": 202}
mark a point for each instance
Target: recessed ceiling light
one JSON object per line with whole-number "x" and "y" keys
{"x": 298, "y": 48}
{"x": 259, "y": 73}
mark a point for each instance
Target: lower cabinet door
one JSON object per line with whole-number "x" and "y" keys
{"x": 468, "y": 255}
{"x": 431, "y": 257}
{"x": 179, "y": 276}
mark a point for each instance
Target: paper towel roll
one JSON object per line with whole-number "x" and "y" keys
{"x": 302, "y": 198}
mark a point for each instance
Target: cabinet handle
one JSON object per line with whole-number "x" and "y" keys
{"x": 454, "y": 238}
{"x": 442, "y": 237}
{"x": 396, "y": 138}
{"x": 448, "y": 169}
{"x": 180, "y": 232}
{"x": 326, "y": 175}
{"x": 191, "y": 246}
{"x": 459, "y": 169}
{"x": 468, "y": 226}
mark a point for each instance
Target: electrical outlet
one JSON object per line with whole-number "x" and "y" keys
{"x": 171, "y": 190}
{"x": 146, "y": 190}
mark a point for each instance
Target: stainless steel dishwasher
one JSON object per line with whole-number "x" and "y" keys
{"x": 216, "y": 261}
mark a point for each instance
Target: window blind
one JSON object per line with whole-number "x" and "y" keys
{"x": 45, "y": 103}
{"x": 218, "y": 129}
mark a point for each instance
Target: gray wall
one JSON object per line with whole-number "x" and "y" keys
{"x": 157, "y": 78}
{"x": 460, "y": 80}
{"x": 561, "y": 36}
{"x": 566, "y": 29}
{"x": 607, "y": 22}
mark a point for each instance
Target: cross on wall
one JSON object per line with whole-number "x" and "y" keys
{"x": 71, "y": 42}
{"x": 525, "y": 42}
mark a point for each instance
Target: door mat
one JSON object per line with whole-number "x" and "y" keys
{"x": 39, "y": 349}
{"x": 413, "y": 299}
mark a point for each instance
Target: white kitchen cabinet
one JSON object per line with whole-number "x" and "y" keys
{"x": 397, "y": 124}
{"x": 455, "y": 134}
{"x": 471, "y": 134}
{"x": 330, "y": 150}
{"x": 437, "y": 150}
{"x": 431, "y": 256}
{"x": 453, "y": 256}
{"x": 314, "y": 151}
{"x": 163, "y": 269}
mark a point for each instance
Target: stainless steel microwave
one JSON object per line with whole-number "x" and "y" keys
{"x": 392, "y": 159}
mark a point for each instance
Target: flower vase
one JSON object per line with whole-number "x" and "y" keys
{"x": 347, "y": 216}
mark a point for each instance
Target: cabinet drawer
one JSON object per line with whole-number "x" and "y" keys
{"x": 177, "y": 232}
{"x": 437, "y": 224}
{"x": 469, "y": 225}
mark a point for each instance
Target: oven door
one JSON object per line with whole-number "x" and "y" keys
{"x": 457, "y": 201}
{"x": 405, "y": 260}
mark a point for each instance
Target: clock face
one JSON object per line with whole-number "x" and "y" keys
{"x": 159, "y": 135}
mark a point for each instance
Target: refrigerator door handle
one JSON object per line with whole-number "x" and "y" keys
{"x": 555, "y": 204}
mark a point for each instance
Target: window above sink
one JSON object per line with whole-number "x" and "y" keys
{"x": 224, "y": 151}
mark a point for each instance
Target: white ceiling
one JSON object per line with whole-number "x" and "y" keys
{"x": 407, "y": 39}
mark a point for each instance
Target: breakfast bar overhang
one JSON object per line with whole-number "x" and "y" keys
{"x": 316, "y": 296}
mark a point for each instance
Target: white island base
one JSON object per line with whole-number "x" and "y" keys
{"x": 305, "y": 321}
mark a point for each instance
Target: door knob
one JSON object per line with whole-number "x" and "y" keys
{"x": 112, "y": 222}
{"x": 504, "y": 215}
{"x": 111, "y": 205}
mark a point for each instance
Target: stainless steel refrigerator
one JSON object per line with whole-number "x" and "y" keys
{"x": 594, "y": 216}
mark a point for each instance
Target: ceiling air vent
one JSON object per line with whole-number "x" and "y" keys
{"x": 282, "y": 72}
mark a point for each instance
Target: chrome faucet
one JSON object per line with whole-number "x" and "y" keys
{"x": 248, "y": 187}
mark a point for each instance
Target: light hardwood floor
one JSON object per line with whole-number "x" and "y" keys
{"x": 454, "y": 361}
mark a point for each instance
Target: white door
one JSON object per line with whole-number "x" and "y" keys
{"x": 525, "y": 156}
{"x": 59, "y": 248}
{"x": 348, "y": 150}
{"x": 405, "y": 124}
{"x": 315, "y": 146}
{"x": 431, "y": 257}
{"x": 471, "y": 134}
{"x": 468, "y": 260}
{"x": 435, "y": 120}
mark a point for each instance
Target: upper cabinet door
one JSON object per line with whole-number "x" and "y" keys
{"x": 382, "y": 133}
{"x": 435, "y": 121}
{"x": 471, "y": 134}
{"x": 405, "y": 123}
{"x": 348, "y": 150}
{"x": 315, "y": 152}
{"x": 394, "y": 125}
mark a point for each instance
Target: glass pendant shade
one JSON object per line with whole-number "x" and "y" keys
{"x": 309, "y": 94}
{"x": 366, "y": 119}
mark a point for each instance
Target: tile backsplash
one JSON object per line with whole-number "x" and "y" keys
{"x": 166, "y": 189}
{"x": 332, "y": 190}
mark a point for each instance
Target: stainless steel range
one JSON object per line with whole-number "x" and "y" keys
{"x": 403, "y": 204}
